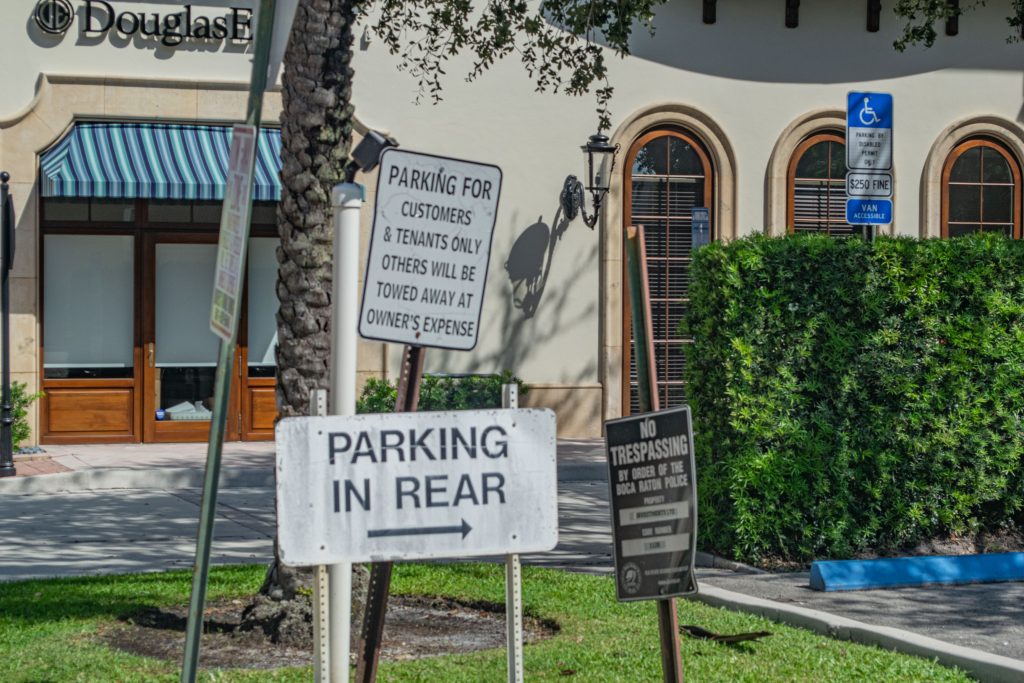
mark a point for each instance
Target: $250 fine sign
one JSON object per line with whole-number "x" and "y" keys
{"x": 429, "y": 251}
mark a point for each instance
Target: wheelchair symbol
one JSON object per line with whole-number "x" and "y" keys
{"x": 867, "y": 114}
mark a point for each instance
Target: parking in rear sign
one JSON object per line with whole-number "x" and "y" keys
{"x": 414, "y": 486}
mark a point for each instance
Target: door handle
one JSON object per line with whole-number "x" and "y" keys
{"x": 150, "y": 354}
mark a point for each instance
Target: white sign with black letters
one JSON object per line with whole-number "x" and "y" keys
{"x": 413, "y": 486}
{"x": 429, "y": 250}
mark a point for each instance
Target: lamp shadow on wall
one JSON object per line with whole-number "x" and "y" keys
{"x": 529, "y": 262}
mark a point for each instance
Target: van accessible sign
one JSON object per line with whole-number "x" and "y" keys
{"x": 413, "y": 486}
{"x": 429, "y": 251}
{"x": 652, "y": 481}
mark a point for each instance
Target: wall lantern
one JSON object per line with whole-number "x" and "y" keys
{"x": 597, "y": 148}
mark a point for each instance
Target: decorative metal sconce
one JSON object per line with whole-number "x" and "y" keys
{"x": 572, "y": 198}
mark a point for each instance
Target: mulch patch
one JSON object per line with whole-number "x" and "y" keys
{"x": 415, "y": 627}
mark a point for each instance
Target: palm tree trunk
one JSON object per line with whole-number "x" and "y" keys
{"x": 316, "y": 137}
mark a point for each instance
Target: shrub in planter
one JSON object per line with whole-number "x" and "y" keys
{"x": 21, "y": 399}
{"x": 441, "y": 392}
{"x": 850, "y": 396}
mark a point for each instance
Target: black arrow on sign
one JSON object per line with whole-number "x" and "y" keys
{"x": 464, "y": 529}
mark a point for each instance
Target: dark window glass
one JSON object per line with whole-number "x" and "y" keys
{"x": 997, "y": 203}
{"x": 684, "y": 158}
{"x": 652, "y": 159}
{"x": 962, "y": 229}
{"x": 66, "y": 209}
{"x": 996, "y": 168}
{"x": 263, "y": 213}
{"x": 112, "y": 210}
{"x": 967, "y": 168}
{"x": 169, "y": 211}
{"x": 206, "y": 212}
{"x": 815, "y": 162}
{"x": 964, "y": 203}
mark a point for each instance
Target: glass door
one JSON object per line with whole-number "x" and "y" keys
{"x": 180, "y": 350}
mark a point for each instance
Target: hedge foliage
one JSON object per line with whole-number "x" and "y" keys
{"x": 849, "y": 396}
{"x": 441, "y": 392}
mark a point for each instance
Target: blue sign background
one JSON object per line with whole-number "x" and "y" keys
{"x": 875, "y": 113}
{"x": 869, "y": 211}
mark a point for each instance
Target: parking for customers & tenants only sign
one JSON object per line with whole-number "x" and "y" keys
{"x": 412, "y": 486}
{"x": 429, "y": 250}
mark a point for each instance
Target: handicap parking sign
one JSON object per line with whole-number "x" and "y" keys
{"x": 869, "y": 119}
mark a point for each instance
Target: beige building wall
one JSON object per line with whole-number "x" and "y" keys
{"x": 750, "y": 88}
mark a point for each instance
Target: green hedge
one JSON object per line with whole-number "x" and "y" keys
{"x": 849, "y": 396}
{"x": 441, "y": 392}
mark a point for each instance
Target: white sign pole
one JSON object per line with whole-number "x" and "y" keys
{"x": 513, "y": 579}
{"x": 348, "y": 200}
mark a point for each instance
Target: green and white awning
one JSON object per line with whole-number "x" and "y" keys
{"x": 153, "y": 161}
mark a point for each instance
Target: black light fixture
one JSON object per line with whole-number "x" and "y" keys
{"x": 572, "y": 198}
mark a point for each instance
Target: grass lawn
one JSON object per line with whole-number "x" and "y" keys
{"x": 47, "y": 627}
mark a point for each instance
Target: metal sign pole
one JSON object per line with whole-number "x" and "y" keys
{"x": 7, "y": 468}
{"x": 640, "y": 305}
{"x": 321, "y": 587}
{"x": 513, "y": 580}
{"x": 372, "y": 636}
{"x": 222, "y": 381}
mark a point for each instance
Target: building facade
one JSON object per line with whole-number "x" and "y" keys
{"x": 113, "y": 139}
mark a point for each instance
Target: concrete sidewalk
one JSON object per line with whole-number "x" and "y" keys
{"x": 182, "y": 466}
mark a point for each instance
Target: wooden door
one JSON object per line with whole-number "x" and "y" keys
{"x": 179, "y": 351}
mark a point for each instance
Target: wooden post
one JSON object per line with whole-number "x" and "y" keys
{"x": 647, "y": 385}
{"x": 372, "y": 635}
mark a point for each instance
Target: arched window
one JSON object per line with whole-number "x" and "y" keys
{"x": 981, "y": 190}
{"x": 668, "y": 175}
{"x": 816, "y": 186}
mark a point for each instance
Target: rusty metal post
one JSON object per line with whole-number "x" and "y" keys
{"x": 372, "y": 635}
{"x": 647, "y": 387}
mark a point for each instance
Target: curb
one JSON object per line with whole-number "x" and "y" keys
{"x": 171, "y": 478}
{"x": 127, "y": 478}
{"x": 982, "y": 665}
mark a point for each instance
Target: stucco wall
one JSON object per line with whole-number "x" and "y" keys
{"x": 750, "y": 86}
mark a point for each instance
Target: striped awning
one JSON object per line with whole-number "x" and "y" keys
{"x": 153, "y": 160}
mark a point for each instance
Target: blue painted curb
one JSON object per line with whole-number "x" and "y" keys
{"x": 852, "y": 575}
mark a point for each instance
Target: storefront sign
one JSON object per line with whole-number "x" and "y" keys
{"x": 651, "y": 477}
{"x": 97, "y": 18}
{"x": 429, "y": 251}
{"x": 415, "y": 486}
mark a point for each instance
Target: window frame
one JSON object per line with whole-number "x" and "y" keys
{"x": 947, "y": 169}
{"x": 817, "y": 137}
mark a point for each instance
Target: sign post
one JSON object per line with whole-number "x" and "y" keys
{"x": 7, "y": 468}
{"x": 224, "y": 322}
{"x": 869, "y": 159}
{"x": 639, "y": 296}
{"x": 424, "y": 286}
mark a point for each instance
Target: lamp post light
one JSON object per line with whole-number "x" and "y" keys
{"x": 572, "y": 199}
{"x": 7, "y": 468}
